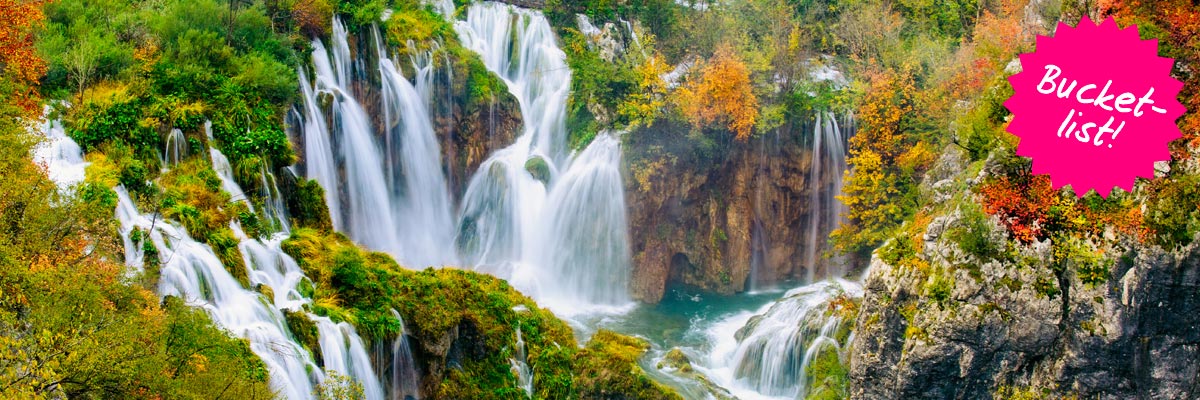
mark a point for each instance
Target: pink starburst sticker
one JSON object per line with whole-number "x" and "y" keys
{"x": 1095, "y": 107}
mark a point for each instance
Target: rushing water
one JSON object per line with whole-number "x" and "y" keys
{"x": 550, "y": 221}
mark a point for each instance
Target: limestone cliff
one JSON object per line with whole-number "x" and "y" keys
{"x": 944, "y": 322}
{"x": 713, "y": 215}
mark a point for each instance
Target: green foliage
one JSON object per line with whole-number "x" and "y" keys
{"x": 973, "y": 234}
{"x": 939, "y": 287}
{"x": 608, "y": 366}
{"x": 339, "y": 387}
{"x": 306, "y": 205}
{"x": 305, "y": 331}
{"x": 174, "y": 64}
{"x": 1089, "y": 264}
{"x": 1173, "y": 210}
{"x": 829, "y": 377}
{"x": 71, "y": 324}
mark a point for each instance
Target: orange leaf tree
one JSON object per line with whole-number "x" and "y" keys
{"x": 722, "y": 95}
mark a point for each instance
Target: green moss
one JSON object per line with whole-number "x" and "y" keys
{"x": 478, "y": 315}
{"x": 306, "y": 205}
{"x": 537, "y": 167}
{"x": 828, "y": 376}
{"x": 305, "y": 331}
{"x": 608, "y": 369}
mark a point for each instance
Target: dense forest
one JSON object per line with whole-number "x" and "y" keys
{"x": 637, "y": 199}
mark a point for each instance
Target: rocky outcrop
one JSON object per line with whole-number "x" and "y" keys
{"x": 470, "y": 126}
{"x": 714, "y": 214}
{"x": 965, "y": 328}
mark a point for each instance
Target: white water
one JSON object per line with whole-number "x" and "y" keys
{"x": 405, "y": 379}
{"x": 562, "y": 239}
{"x": 175, "y": 148}
{"x": 778, "y": 342}
{"x": 564, "y": 242}
{"x": 520, "y": 366}
{"x": 396, "y": 195}
{"x": 62, "y": 157}
{"x": 191, "y": 271}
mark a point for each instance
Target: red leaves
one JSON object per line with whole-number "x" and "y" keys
{"x": 1022, "y": 203}
{"x": 18, "y": 58}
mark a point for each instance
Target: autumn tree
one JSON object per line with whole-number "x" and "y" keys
{"x": 19, "y": 62}
{"x": 721, "y": 94}
{"x": 877, "y": 189}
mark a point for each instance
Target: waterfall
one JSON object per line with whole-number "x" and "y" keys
{"x": 397, "y": 199}
{"x": 191, "y": 271}
{"x": 528, "y": 214}
{"x": 343, "y": 351}
{"x": 175, "y": 149}
{"x": 62, "y": 157}
{"x": 825, "y": 210}
{"x": 773, "y": 348}
{"x": 405, "y": 378}
{"x": 520, "y": 366}
{"x": 560, "y": 236}
{"x": 586, "y": 246}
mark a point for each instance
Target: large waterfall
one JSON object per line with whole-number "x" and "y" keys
{"x": 550, "y": 221}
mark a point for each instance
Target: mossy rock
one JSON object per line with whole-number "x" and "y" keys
{"x": 305, "y": 331}
{"x": 607, "y": 369}
{"x": 539, "y": 169}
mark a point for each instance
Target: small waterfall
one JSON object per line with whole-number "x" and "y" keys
{"x": 343, "y": 352}
{"x": 520, "y": 366}
{"x": 586, "y": 246}
{"x": 318, "y": 150}
{"x": 825, "y": 210}
{"x": 771, "y": 352}
{"x": 273, "y": 208}
{"x": 405, "y": 378}
{"x": 62, "y": 157}
{"x": 175, "y": 149}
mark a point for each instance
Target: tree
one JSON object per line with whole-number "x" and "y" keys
{"x": 18, "y": 58}
{"x": 81, "y": 60}
{"x": 722, "y": 95}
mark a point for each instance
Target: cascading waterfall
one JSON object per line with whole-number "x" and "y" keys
{"x": 825, "y": 210}
{"x": 397, "y": 199}
{"x": 191, "y": 271}
{"x": 521, "y": 219}
{"x": 175, "y": 148}
{"x": 520, "y": 366}
{"x": 772, "y": 351}
{"x": 62, "y": 157}
{"x": 405, "y": 379}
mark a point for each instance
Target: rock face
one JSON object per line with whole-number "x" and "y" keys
{"x": 998, "y": 335}
{"x": 715, "y": 216}
{"x": 469, "y": 128}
